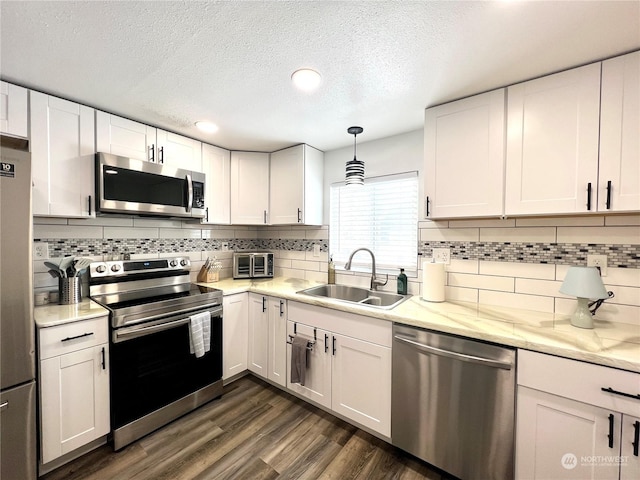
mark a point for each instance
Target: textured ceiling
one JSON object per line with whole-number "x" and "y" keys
{"x": 171, "y": 63}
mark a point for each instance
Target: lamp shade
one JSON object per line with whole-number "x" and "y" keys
{"x": 584, "y": 282}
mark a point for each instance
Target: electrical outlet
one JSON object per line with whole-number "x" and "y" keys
{"x": 599, "y": 261}
{"x": 225, "y": 247}
{"x": 442, "y": 255}
{"x": 316, "y": 250}
{"x": 40, "y": 251}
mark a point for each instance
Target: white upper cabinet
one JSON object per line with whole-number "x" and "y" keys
{"x": 464, "y": 157}
{"x": 124, "y": 137}
{"x": 216, "y": 165}
{"x": 296, "y": 186}
{"x": 249, "y": 188}
{"x": 178, "y": 151}
{"x": 13, "y": 110}
{"x": 619, "y": 176}
{"x": 62, "y": 156}
{"x": 552, "y": 143}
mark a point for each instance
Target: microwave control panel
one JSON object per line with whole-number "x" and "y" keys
{"x": 198, "y": 195}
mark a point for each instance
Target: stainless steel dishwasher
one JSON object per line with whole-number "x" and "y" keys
{"x": 453, "y": 403}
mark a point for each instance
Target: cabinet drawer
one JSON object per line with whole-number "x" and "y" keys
{"x": 580, "y": 381}
{"x": 73, "y": 336}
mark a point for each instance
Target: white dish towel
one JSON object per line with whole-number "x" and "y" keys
{"x": 200, "y": 333}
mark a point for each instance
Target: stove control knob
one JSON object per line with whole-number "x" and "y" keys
{"x": 101, "y": 268}
{"x": 115, "y": 268}
{"x": 173, "y": 263}
{"x": 183, "y": 263}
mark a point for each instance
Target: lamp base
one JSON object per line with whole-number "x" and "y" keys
{"x": 582, "y": 317}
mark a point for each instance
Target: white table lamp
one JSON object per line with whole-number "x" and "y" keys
{"x": 584, "y": 283}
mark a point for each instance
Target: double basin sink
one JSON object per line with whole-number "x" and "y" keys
{"x": 356, "y": 295}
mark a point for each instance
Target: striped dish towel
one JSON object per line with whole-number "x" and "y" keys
{"x": 199, "y": 333}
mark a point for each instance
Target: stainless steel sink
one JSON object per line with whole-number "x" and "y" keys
{"x": 356, "y": 295}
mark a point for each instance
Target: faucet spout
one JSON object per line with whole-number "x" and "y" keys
{"x": 374, "y": 281}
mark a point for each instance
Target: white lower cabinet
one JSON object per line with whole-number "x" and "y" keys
{"x": 267, "y": 337}
{"x": 349, "y": 365}
{"x": 235, "y": 331}
{"x": 568, "y": 427}
{"x": 74, "y": 386}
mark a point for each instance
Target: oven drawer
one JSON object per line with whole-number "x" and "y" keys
{"x": 74, "y": 336}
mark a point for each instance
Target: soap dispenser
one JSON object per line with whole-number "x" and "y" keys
{"x": 402, "y": 283}
{"x": 331, "y": 274}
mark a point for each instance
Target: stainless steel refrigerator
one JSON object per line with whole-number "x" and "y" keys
{"x": 18, "y": 458}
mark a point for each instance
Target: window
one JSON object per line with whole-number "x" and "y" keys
{"x": 381, "y": 215}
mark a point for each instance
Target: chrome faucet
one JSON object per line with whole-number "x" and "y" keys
{"x": 375, "y": 283}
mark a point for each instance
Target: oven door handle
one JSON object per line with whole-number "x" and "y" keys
{"x": 120, "y": 336}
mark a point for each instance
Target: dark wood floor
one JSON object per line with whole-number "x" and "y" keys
{"x": 255, "y": 431}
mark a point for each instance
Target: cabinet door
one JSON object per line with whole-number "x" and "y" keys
{"x": 74, "y": 407}
{"x": 558, "y": 438}
{"x": 249, "y": 188}
{"x": 179, "y": 151}
{"x": 619, "y": 175}
{"x": 630, "y": 446}
{"x": 124, "y": 137}
{"x": 464, "y": 157}
{"x": 13, "y": 110}
{"x": 216, "y": 164}
{"x": 286, "y": 191}
{"x": 277, "y": 310}
{"x": 258, "y": 334}
{"x": 235, "y": 334}
{"x": 361, "y": 382}
{"x": 317, "y": 385}
{"x": 62, "y": 157}
{"x": 552, "y": 143}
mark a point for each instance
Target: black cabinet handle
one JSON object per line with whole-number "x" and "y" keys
{"x": 334, "y": 345}
{"x": 161, "y": 155}
{"x": 608, "y": 205}
{"x": 77, "y": 336}
{"x": 589, "y": 196}
{"x": 89, "y": 199}
{"x": 265, "y": 217}
{"x": 326, "y": 343}
{"x": 299, "y": 216}
{"x": 104, "y": 365}
{"x": 264, "y": 304}
{"x": 616, "y": 392}
{"x": 152, "y": 152}
{"x": 206, "y": 213}
{"x": 636, "y": 437}
{"x": 281, "y": 309}
{"x": 426, "y": 206}
{"x": 610, "y": 436}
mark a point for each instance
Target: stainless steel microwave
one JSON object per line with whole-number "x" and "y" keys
{"x": 127, "y": 185}
{"x": 252, "y": 265}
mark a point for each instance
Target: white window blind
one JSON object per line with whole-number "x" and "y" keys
{"x": 381, "y": 215}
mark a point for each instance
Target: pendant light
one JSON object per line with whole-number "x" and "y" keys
{"x": 355, "y": 168}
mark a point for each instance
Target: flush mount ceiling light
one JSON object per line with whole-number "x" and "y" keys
{"x": 208, "y": 127}
{"x": 354, "y": 168}
{"x": 306, "y": 79}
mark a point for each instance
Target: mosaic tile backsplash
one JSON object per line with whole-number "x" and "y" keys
{"x": 622, "y": 256}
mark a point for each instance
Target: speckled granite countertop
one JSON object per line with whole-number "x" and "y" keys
{"x": 611, "y": 344}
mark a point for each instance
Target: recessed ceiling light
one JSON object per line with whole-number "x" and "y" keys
{"x": 208, "y": 127}
{"x": 306, "y": 79}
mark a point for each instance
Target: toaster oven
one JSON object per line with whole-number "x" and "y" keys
{"x": 252, "y": 265}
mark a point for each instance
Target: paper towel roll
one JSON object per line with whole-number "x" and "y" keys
{"x": 433, "y": 280}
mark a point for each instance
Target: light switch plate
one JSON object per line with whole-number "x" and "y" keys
{"x": 316, "y": 250}
{"x": 40, "y": 250}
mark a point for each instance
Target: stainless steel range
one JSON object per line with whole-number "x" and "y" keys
{"x": 155, "y": 377}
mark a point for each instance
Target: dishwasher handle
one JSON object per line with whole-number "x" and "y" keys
{"x": 456, "y": 356}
